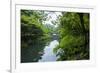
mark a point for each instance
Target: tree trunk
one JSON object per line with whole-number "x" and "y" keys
{"x": 83, "y": 28}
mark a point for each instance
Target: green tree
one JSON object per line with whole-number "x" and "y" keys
{"x": 74, "y": 36}
{"x": 34, "y": 35}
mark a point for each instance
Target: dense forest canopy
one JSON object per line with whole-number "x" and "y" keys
{"x": 71, "y": 29}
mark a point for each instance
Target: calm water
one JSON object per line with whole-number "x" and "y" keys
{"x": 48, "y": 52}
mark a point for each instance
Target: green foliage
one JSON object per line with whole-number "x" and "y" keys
{"x": 74, "y": 36}
{"x": 71, "y": 41}
{"x": 34, "y": 35}
{"x": 72, "y": 30}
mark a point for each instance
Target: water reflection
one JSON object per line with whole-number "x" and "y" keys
{"x": 31, "y": 53}
{"x": 38, "y": 49}
{"x": 48, "y": 52}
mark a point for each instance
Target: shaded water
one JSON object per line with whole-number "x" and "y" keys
{"x": 38, "y": 51}
{"x": 49, "y": 55}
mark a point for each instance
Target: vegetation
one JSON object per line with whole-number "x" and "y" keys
{"x": 33, "y": 35}
{"x": 72, "y": 32}
{"x": 74, "y": 36}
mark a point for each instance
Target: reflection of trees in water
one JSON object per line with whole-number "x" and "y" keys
{"x": 35, "y": 34}
{"x": 33, "y": 51}
{"x": 33, "y": 42}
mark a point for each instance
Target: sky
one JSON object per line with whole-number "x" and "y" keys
{"x": 52, "y": 17}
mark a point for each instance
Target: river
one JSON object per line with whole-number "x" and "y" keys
{"x": 48, "y": 54}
